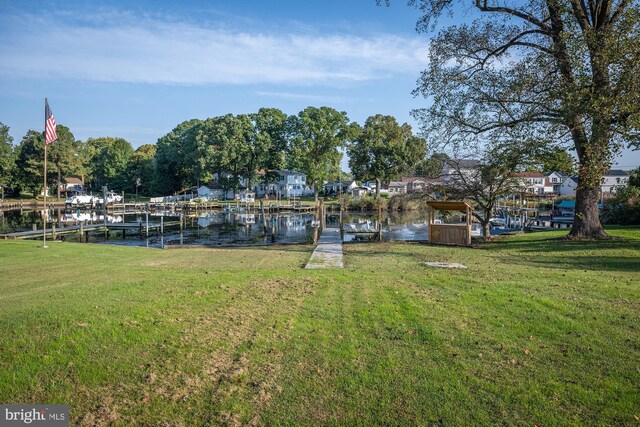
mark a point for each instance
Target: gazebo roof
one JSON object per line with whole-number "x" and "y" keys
{"x": 450, "y": 205}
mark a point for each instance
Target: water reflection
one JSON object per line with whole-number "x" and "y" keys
{"x": 222, "y": 228}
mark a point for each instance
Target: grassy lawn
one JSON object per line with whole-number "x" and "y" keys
{"x": 536, "y": 331}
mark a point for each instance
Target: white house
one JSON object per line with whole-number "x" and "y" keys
{"x": 397, "y": 187}
{"x": 359, "y": 192}
{"x": 286, "y": 183}
{"x": 346, "y": 187}
{"x": 534, "y": 183}
{"x": 419, "y": 183}
{"x": 458, "y": 169}
{"x": 569, "y": 186}
{"x": 556, "y": 179}
{"x": 214, "y": 191}
{"x": 613, "y": 179}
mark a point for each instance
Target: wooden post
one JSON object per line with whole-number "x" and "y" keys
{"x": 162, "y": 224}
{"x": 81, "y": 230}
{"x": 147, "y": 222}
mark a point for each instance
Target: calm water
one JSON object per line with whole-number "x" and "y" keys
{"x": 219, "y": 228}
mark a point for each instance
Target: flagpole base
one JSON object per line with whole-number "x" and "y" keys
{"x": 44, "y": 247}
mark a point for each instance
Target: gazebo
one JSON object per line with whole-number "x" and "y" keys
{"x": 450, "y": 234}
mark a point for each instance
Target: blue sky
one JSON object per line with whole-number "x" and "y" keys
{"x": 137, "y": 69}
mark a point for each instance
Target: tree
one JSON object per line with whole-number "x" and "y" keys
{"x": 141, "y": 169}
{"x": 432, "y": 166}
{"x": 108, "y": 162}
{"x": 492, "y": 178}
{"x": 553, "y": 69}
{"x": 30, "y": 161}
{"x": 64, "y": 157}
{"x": 556, "y": 159}
{"x": 7, "y": 158}
{"x": 316, "y": 136}
{"x": 176, "y": 154}
{"x": 384, "y": 150}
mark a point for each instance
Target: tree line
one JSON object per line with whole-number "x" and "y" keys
{"x": 232, "y": 148}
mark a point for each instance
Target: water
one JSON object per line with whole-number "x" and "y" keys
{"x": 219, "y": 228}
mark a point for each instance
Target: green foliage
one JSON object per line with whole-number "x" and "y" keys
{"x": 175, "y": 155}
{"x": 316, "y": 136}
{"x": 383, "y": 150}
{"x": 30, "y": 162}
{"x": 141, "y": 169}
{"x": 7, "y": 158}
{"x": 431, "y": 167}
{"x": 555, "y": 159}
{"x": 108, "y": 161}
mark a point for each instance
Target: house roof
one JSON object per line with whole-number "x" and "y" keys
{"x": 397, "y": 184}
{"x": 562, "y": 174}
{"x": 73, "y": 180}
{"x": 616, "y": 172}
{"x": 529, "y": 175}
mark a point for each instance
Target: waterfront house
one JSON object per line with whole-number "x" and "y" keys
{"x": 419, "y": 183}
{"x": 338, "y": 187}
{"x": 612, "y": 180}
{"x": 556, "y": 179}
{"x": 534, "y": 183}
{"x": 214, "y": 191}
{"x": 360, "y": 191}
{"x": 397, "y": 187}
{"x": 71, "y": 185}
{"x": 569, "y": 186}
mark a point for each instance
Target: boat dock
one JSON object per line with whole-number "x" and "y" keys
{"x": 84, "y": 229}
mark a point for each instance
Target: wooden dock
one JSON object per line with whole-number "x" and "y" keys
{"x": 83, "y": 229}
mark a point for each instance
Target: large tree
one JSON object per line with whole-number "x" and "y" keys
{"x": 555, "y": 69}
{"x": 384, "y": 149}
{"x": 141, "y": 170}
{"x": 176, "y": 155}
{"x": 316, "y": 135}
{"x": 108, "y": 162}
{"x": 30, "y": 162}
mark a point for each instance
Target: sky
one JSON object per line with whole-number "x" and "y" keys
{"x": 136, "y": 69}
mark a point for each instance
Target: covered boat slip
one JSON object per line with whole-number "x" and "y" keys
{"x": 450, "y": 234}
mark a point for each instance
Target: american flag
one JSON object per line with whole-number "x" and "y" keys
{"x": 49, "y": 124}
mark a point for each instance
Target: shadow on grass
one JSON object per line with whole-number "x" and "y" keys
{"x": 592, "y": 263}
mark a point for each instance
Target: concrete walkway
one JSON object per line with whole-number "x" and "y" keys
{"x": 328, "y": 253}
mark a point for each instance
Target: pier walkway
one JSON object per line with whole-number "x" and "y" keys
{"x": 328, "y": 253}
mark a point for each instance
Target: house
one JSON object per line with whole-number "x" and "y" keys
{"x": 420, "y": 183}
{"x": 569, "y": 186}
{"x": 534, "y": 183}
{"x": 556, "y": 179}
{"x": 285, "y": 183}
{"x": 334, "y": 188}
{"x": 458, "y": 169}
{"x": 612, "y": 180}
{"x": 397, "y": 187}
{"x": 246, "y": 196}
{"x": 214, "y": 191}
{"x": 292, "y": 183}
{"x": 360, "y": 191}
{"x": 72, "y": 185}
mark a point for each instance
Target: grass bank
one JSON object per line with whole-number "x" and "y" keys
{"x": 537, "y": 330}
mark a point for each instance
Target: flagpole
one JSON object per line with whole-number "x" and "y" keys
{"x": 44, "y": 213}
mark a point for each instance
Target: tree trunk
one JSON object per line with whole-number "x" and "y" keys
{"x": 377, "y": 188}
{"x": 486, "y": 224}
{"x": 586, "y": 222}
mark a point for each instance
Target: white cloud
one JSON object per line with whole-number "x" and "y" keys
{"x": 155, "y": 50}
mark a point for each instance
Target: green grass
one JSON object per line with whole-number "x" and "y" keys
{"x": 537, "y": 330}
